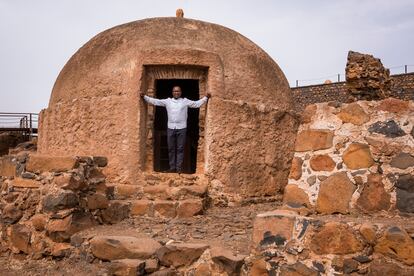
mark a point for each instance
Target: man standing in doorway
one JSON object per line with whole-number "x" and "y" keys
{"x": 177, "y": 108}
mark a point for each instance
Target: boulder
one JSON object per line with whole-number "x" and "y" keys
{"x": 314, "y": 139}
{"x": 180, "y": 254}
{"x": 123, "y": 247}
{"x": 335, "y": 238}
{"x": 358, "y": 156}
{"x": 335, "y": 194}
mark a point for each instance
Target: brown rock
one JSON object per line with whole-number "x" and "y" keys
{"x": 70, "y": 182}
{"x": 335, "y": 194}
{"x": 308, "y": 113}
{"x": 374, "y": 198}
{"x": 203, "y": 270}
{"x": 141, "y": 207}
{"x": 402, "y": 161}
{"x": 11, "y": 213}
{"x": 180, "y": 254}
{"x": 126, "y": 191}
{"x": 116, "y": 212}
{"x": 296, "y": 168}
{"x": 165, "y": 208}
{"x": 322, "y": 162}
{"x": 335, "y": 238}
{"x": 368, "y": 231}
{"x": 25, "y": 183}
{"x": 123, "y": 247}
{"x": 295, "y": 197}
{"x": 61, "y": 249}
{"x": 354, "y": 114}
{"x": 20, "y": 237}
{"x": 151, "y": 265}
{"x": 189, "y": 207}
{"x": 297, "y": 269}
{"x": 382, "y": 267}
{"x": 259, "y": 268}
{"x": 97, "y": 201}
{"x": 397, "y": 244}
{"x": 39, "y": 221}
{"x": 62, "y": 200}
{"x": 60, "y": 230}
{"x": 39, "y": 163}
{"x": 393, "y": 105}
{"x": 314, "y": 139}
{"x": 358, "y": 156}
{"x": 230, "y": 262}
{"x": 273, "y": 228}
{"x": 127, "y": 267}
{"x": 100, "y": 161}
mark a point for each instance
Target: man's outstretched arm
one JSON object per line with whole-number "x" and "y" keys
{"x": 200, "y": 102}
{"x": 153, "y": 101}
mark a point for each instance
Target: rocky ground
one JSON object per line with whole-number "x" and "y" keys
{"x": 229, "y": 227}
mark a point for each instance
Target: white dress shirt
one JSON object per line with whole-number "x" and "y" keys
{"x": 176, "y": 109}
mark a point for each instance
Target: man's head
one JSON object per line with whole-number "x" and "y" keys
{"x": 176, "y": 92}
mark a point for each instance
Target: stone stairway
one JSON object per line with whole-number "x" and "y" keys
{"x": 164, "y": 195}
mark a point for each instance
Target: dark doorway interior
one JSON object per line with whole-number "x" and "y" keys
{"x": 190, "y": 90}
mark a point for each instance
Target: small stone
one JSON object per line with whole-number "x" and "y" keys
{"x": 296, "y": 168}
{"x": 165, "y": 208}
{"x": 39, "y": 221}
{"x": 402, "y": 161}
{"x": 318, "y": 266}
{"x": 354, "y": 114}
{"x": 397, "y": 244}
{"x": 70, "y": 182}
{"x": 11, "y": 214}
{"x": 358, "y": 156}
{"x": 231, "y": 263}
{"x": 28, "y": 175}
{"x": 322, "y": 177}
{"x": 297, "y": 269}
{"x": 340, "y": 165}
{"x": 203, "y": 269}
{"x": 180, "y": 254}
{"x": 100, "y": 161}
{"x": 127, "y": 267}
{"x": 368, "y": 231}
{"x": 96, "y": 176}
{"x": 259, "y": 268}
{"x": 322, "y": 162}
{"x": 151, "y": 265}
{"x": 335, "y": 194}
{"x": 405, "y": 193}
{"x": 350, "y": 266}
{"x": 189, "y": 207}
{"x": 335, "y": 238}
{"x": 25, "y": 183}
{"x": 62, "y": 200}
{"x": 294, "y": 196}
{"x": 388, "y": 128}
{"x": 20, "y": 237}
{"x": 362, "y": 259}
{"x": 61, "y": 250}
{"x": 97, "y": 201}
{"x": 373, "y": 197}
{"x": 311, "y": 180}
{"x": 314, "y": 139}
{"x": 123, "y": 247}
{"x": 358, "y": 180}
{"x": 116, "y": 212}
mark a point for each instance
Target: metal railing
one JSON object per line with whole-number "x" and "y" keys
{"x": 394, "y": 70}
{"x": 26, "y": 123}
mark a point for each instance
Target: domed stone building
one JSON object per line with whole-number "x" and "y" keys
{"x": 242, "y": 141}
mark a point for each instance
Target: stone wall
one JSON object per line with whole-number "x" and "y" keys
{"x": 403, "y": 88}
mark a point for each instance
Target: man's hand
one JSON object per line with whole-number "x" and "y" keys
{"x": 142, "y": 94}
{"x": 208, "y": 95}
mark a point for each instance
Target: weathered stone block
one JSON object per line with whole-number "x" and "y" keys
{"x": 116, "y": 212}
{"x": 388, "y": 128}
{"x": 405, "y": 193}
{"x": 358, "y": 156}
{"x": 165, "y": 208}
{"x": 373, "y": 197}
{"x": 354, "y": 114}
{"x": 296, "y": 168}
{"x": 335, "y": 238}
{"x": 63, "y": 200}
{"x": 335, "y": 194}
{"x": 20, "y": 237}
{"x": 227, "y": 260}
{"x": 273, "y": 228}
{"x": 397, "y": 244}
{"x": 123, "y": 247}
{"x": 294, "y": 196}
{"x": 11, "y": 213}
{"x": 314, "y": 139}
{"x": 402, "y": 161}
{"x": 7, "y": 166}
{"x": 19, "y": 182}
{"x": 189, "y": 207}
{"x": 141, "y": 207}
{"x": 97, "y": 201}
{"x": 43, "y": 163}
{"x": 180, "y": 254}
{"x": 393, "y": 105}
{"x": 127, "y": 267}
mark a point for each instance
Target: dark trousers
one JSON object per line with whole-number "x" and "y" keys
{"x": 176, "y": 143}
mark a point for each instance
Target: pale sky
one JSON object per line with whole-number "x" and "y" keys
{"x": 309, "y": 39}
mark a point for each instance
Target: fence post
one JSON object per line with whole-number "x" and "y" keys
{"x": 297, "y": 83}
{"x": 31, "y": 126}
{"x": 405, "y": 68}
{"x": 339, "y": 77}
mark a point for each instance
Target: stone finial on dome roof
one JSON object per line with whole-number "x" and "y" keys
{"x": 179, "y": 13}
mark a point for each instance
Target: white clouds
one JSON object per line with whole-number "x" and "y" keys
{"x": 308, "y": 39}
